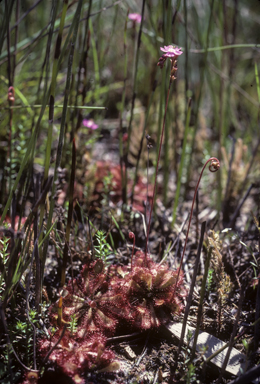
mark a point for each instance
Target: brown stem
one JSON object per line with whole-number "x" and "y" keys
{"x": 132, "y": 236}
{"x": 213, "y": 167}
{"x": 11, "y": 99}
{"x": 157, "y": 165}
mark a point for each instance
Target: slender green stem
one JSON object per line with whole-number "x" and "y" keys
{"x": 221, "y": 48}
{"x": 134, "y": 92}
{"x": 54, "y": 106}
{"x": 201, "y": 84}
{"x": 121, "y": 149}
{"x": 70, "y": 212}
{"x": 95, "y": 56}
{"x": 183, "y": 153}
{"x": 53, "y": 87}
{"x": 167, "y": 16}
{"x": 141, "y": 146}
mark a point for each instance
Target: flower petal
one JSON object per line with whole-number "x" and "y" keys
{"x": 135, "y": 17}
{"x": 171, "y": 51}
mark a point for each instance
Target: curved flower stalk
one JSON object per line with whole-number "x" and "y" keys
{"x": 75, "y": 355}
{"x": 213, "y": 167}
{"x": 88, "y": 301}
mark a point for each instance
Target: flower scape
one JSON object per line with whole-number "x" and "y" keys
{"x": 143, "y": 296}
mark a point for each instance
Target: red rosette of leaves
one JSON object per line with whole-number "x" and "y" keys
{"x": 75, "y": 356}
{"x": 89, "y": 301}
{"x": 152, "y": 292}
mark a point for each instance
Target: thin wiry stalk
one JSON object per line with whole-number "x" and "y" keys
{"x": 121, "y": 149}
{"x": 53, "y": 86}
{"x": 54, "y": 346}
{"x": 70, "y": 212}
{"x": 109, "y": 45}
{"x": 45, "y": 64}
{"x": 232, "y": 338}
{"x": 183, "y": 154}
{"x": 11, "y": 99}
{"x": 248, "y": 377}
{"x": 83, "y": 68}
{"x": 9, "y": 67}
{"x": 231, "y": 60}
{"x": 186, "y": 52}
{"x": 156, "y": 172}
{"x": 213, "y": 167}
{"x": 17, "y": 11}
{"x": 167, "y": 16}
{"x": 160, "y": 115}
{"x": 224, "y": 47}
{"x": 133, "y": 98}
{"x": 38, "y": 290}
{"x": 75, "y": 24}
{"x": 141, "y": 146}
{"x": 35, "y": 249}
{"x": 132, "y": 236}
{"x": 225, "y": 203}
{"x": 16, "y": 267}
{"x": 95, "y": 58}
{"x": 236, "y": 213}
{"x": 220, "y": 113}
{"x": 198, "y": 101}
{"x": 200, "y": 306}
{"x": 192, "y": 285}
{"x": 52, "y": 97}
{"x": 7, "y": 15}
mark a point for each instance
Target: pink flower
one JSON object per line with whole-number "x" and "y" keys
{"x": 89, "y": 124}
{"x": 135, "y": 17}
{"x": 171, "y": 51}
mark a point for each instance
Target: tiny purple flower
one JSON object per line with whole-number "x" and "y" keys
{"x": 171, "y": 51}
{"x": 89, "y": 124}
{"x": 135, "y": 17}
